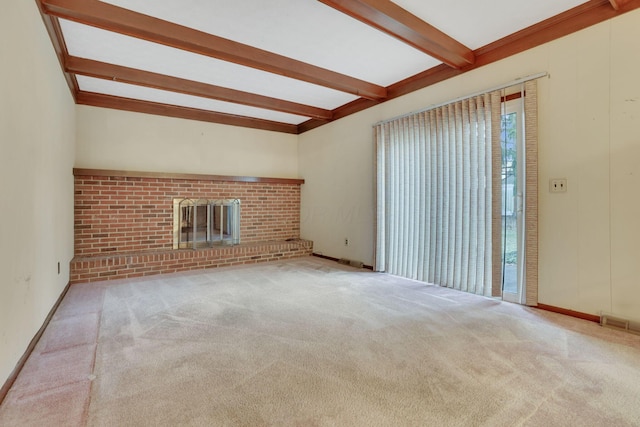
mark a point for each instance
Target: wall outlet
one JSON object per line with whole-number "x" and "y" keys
{"x": 346, "y": 242}
{"x": 558, "y": 185}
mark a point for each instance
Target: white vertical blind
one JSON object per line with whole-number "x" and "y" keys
{"x": 496, "y": 195}
{"x": 434, "y": 195}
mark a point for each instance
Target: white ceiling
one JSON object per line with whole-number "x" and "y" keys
{"x": 93, "y": 43}
{"x": 125, "y": 90}
{"x": 480, "y": 22}
{"x": 304, "y": 30}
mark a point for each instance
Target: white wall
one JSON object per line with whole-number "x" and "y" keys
{"x": 37, "y": 137}
{"x": 121, "y": 140}
{"x": 589, "y": 122}
{"x": 624, "y": 157}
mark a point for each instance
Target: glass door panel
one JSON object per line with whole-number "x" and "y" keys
{"x": 512, "y": 201}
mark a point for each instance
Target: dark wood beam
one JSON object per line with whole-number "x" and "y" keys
{"x": 102, "y": 70}
{"x": 55, "y": 34}
{"x": 189, "y": 176}
{"x": 399, "y": 23}
{"x": 126, "y": 104}
{"x": 124, "y": 21}
{"x": 352, "y": 107}
{"x": 568, "y": 22}
{"x": 575, "y": 19}
{"x": 618, "y": 4}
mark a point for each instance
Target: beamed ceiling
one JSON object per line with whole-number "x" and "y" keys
{"x": 290, "y": 65}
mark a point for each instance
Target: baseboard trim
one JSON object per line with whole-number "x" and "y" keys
{"x": 567, "y": 312}
{"x": 330, "y": 258}
{"x": 16, "y": 371}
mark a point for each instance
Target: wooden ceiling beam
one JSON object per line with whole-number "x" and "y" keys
{"x": 618, "y": 4}
{"x": 102, "y": 70}
{"x": 127, "y": 104}
{"x": 390, "y": 18}
{"x": 124, "y": 21}
{"x": 55, "y": 34}
{"x": 578, "y": 18}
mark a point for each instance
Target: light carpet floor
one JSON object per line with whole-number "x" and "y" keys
{"x": 309, "y": 342}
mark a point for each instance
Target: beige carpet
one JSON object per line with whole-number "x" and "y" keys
{"x": 308, "y": 342}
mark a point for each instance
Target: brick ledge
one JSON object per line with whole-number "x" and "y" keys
{"x": 129, "y": 265}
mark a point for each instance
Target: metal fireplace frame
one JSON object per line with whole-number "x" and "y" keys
{"x": 225, "y": 212}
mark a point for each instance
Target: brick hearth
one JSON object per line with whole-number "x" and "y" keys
{"x": 124, "y": 226}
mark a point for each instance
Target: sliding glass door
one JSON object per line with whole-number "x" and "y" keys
{"x": 452, "y": 185}
{"x": 513, "y": 180}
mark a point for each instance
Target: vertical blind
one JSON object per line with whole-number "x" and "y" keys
{"x": 438, "y": 202}
{"x": 439, "y": 193}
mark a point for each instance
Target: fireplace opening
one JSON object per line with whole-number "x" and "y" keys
{"x": 201, "y": 223}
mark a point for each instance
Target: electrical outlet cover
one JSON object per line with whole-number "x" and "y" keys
{"x": 558, "y": 185}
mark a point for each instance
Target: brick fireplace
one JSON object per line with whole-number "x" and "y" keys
{"x": 124, "y": 224}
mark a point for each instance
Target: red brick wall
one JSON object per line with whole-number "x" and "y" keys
{"x": 118, "y": 214}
